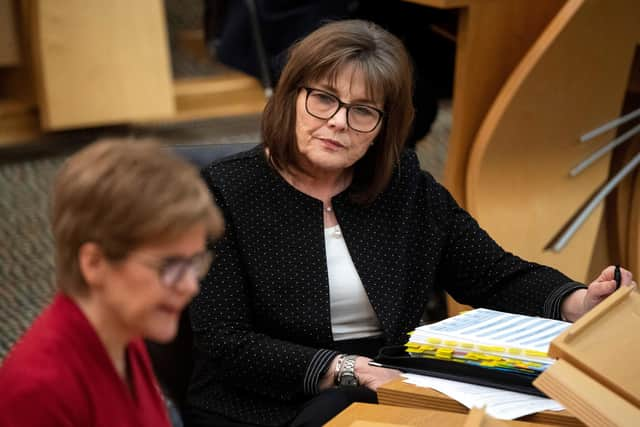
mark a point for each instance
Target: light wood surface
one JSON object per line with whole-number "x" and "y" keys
{"x": 607, "y": 330}
{"x": 18, "y": 121}
{"x": 370, "y": 415}
{"x": 518, "y": 187}
{"x": 399, "y": 393}
{"x": 493, "y": 35}
{"x": 597, "y": 375}
{"x": 230, "y": 94}
{"x": 597, "y": 406}
{"x": 443, "y": 4}
{"x": 9, "y": 48}
{"x": 633, "y": 237}
{"x": 102, "y": 62}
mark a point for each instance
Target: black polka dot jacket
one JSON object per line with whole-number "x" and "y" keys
{"x": 261, "y": 322}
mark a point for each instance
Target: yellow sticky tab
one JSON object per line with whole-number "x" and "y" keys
{"x": 493, "y": 348}
{"x": 443, "y": 355}
{"x": 412, "y": 345}
{"x": 514, "y": 351}
{"x": 434, "y": 340}
{"x": 451, "y": 343}
{"x": 466, "y": 345}
{"x": 536, "y": 353}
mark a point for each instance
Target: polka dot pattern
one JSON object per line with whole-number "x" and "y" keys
{"x": 262, "y": 323}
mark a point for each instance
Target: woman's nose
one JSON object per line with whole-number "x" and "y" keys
{"x": 339, "y": 119}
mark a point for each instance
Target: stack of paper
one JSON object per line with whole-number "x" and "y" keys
{"x": 488, "y": 338}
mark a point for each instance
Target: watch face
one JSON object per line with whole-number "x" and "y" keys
{"x": 348, "y": 380}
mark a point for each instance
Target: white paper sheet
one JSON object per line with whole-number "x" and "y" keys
{"x": 502, "y": 404}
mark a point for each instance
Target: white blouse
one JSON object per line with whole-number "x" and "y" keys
{"x": 351, "y": 313}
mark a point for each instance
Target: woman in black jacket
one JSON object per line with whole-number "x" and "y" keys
{"x": 334, "y": 237}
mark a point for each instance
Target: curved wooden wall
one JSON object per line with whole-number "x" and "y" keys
{"x": 572, "y": 80}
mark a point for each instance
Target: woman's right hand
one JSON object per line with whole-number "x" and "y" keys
{"x": 373, "y": 377}
{"x": 368, "y": 376}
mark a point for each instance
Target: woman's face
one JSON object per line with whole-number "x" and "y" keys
{"x": 134, "y": 295}
{"x": 330, "y": 146}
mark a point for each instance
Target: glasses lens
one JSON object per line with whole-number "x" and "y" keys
{"x": 201, "y": 264}
{"x": 173, "y": 269}
{"x": 363, "y": 118}
{"x": 321, "y": 105}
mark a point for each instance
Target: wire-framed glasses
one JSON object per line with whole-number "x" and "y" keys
{"x": 324, "y": 105}
{"x": 171, "y": 270}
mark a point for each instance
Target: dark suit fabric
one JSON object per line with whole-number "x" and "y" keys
{"x": 261, "y": 322}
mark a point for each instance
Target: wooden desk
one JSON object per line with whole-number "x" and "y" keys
{"x": 366, "y": 414}
{"x": 399, "y": 393}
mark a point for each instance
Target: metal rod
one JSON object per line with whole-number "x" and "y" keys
{"x": 604, "y": 150}
{"x": 260, "y": 50}
{"x": 610, "y": 125}
{"x": 589, "y": 208}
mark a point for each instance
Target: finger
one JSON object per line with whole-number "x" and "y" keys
{"x": 607, "y": 274}
{"x": 626, "y": 277}
{"x": 597, "y": 290}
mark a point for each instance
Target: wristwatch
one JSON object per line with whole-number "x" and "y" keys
{"x": 347, "y": 375}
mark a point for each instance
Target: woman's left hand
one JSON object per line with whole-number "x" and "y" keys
{"x": 583, "y": 300}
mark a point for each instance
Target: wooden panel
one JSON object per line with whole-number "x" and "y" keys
{"x": 101, "y": 62}
{"x": 366, "y": 414}
{"x": 9, "y": 48}
{"x": 493, "y": 36}
{"x": 18, "y": 122}
{"x": 633, "y": 241}
{"x": 596, "y": 406}
{"x": 230, "y": 94}
{"x": 399, "y": 393}
{"x": 600, "y": 389}
{"x": 443, "y": 4}
{"x": 572, "y": 80}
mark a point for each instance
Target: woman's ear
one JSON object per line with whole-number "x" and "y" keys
{"x": 93, "y": 264}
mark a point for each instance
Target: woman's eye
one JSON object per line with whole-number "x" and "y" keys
{"x": 363, "y": 111}
{"x": 324, "y": 98}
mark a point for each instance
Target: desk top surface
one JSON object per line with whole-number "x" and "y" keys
{"x": 399, "y": 393}
{"x": 366, "y": 414}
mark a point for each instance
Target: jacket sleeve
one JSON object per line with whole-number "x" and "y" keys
{"x": 34, "y": 404}
{"x": 475, "y": 270}
{"x": 224, "y": 331}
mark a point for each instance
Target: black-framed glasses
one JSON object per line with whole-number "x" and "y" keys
{"x": 324, "y": 105}
{"x": 171, "y": 270}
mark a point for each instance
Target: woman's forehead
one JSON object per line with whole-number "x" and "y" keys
{"x": 353, "y": 80}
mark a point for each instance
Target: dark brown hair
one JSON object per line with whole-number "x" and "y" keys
{"x": 121, "y": 194}
{"x": 387, "y": 70}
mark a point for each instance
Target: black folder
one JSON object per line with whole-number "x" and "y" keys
{"x": 397, "y": 358}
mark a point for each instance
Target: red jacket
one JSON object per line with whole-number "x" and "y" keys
{"x": 59, "y": 374}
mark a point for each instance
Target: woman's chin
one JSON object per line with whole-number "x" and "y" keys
{"x": 163, "y": 330}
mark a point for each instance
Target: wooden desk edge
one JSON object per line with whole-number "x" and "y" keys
{"x": 398, "y": 388}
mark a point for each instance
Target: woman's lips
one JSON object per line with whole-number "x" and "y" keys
{"x": 331, "y": 143}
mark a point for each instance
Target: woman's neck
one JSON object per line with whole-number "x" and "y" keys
{"x": 322, "y": 186}
{"x": 113, "y": 338}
